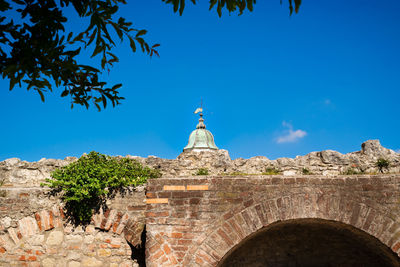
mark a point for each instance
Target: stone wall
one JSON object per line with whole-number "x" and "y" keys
{"x": 34, "y": 231}
{"x": 328, "y": 162}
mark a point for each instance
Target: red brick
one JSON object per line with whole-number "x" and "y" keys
{"x": 51, "y": 220}
{"x": 179, "y": 248}
{"x": 157, "y": 214}
{"x": 38, "y": 252}
{"x": 117, "y": 221}
{"x": 173, "y": 260}
{"x": 184, "y": 242}
{"x": 176, "y": 235}
{"x": 22, "y": 258}
{"x": 396, "y": 247}
{"x": 199, "y": 260}
{"x": 237, "y": 228}
{"x": 205, "y": 257}
{"x": 188, "y": 235}
{"x": 151, "y": 195}
{"x": 105, "y": 218}
{"x": 133, "y": 208}
{"x": 157, "y": 255}
{"x": 62, "y": 214}
{"x": 248, "y": 203}
{"x": 180, "y": 255}
{"x": 167, "y": 249}
{"x": 163, "y": 259}
{"x": 154, "y": 248}
{"x": 32, "y": 258}
{"x": 225, "y": 237}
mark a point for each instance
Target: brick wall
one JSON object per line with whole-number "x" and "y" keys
{"x": 197, "y": 221}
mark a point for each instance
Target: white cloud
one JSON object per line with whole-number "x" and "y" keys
{"x": 397, "y": 151}
{"x": 289, "y": 135}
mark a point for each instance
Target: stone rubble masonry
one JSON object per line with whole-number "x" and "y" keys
{"x": 14, "y": 172}
{"x": 34, "y": 231}
{"x": 199, "y": 227}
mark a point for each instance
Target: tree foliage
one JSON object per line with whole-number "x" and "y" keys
{"x": 37, "y": 50}
{"x": 382, "y": 164}
{"x": 86, "y": 183}
{"x": 230, "y": 5}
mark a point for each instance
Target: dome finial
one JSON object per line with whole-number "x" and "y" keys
{"x": 200, "y": 139}
{"x": 201, "y": 124}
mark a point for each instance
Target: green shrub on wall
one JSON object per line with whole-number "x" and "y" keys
{"x": 382, "y": 164}
{"x": 202, "y": 171}
{"x": 85, "y": 184}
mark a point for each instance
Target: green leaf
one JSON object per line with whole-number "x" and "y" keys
{"x": 92, "y": 36}
{"x": 182, "y": 7}
{"x": 90, "y": 68}
{"x": 97, "y": 50}
{"x": 104, "y": 101}
{"x": 117, "y": 30}
{"x": 115, "y": 87}
{"x": 13, "y": 81}
{"x": 69, "y": 36}
{"x": 132, "y": 44}
{"x": 64, "y": 93}
{"x": 140, "y": 33}
{"x": 41, "y": 94}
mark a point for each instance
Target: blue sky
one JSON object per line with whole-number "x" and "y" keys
{"x": 272, "y": 85}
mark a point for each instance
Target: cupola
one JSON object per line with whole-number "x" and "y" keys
{"x": 200, "y": 139}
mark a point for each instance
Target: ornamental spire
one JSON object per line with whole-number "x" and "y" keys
{"x": 201, "y": 124}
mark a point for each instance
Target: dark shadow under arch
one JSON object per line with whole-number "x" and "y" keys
{"x": 139, "y": 251}
{"x": 310, "y": 242}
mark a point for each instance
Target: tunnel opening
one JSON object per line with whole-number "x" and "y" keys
{"x": 310, "y": 242}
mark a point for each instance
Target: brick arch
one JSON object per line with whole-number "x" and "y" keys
{"x": 238, "y": 224}
{"x": 13, "y": 238}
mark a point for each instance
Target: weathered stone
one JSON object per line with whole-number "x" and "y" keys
{"x": 104, "y": 252}
{"x": 35, "y": 240}
{"x": 74, "y": 264}
{"x": 48, "y": 262}
{"x": 91, "y": 262}
{"x": 126, "y": 264}
{"x": 55, "y": 238}
{"x": 88, "y": 239}
{"x": 289, "y": 173}
{"x": 219, "y": 162}
{"x": 73, "y": 239}
{"x": 72, "y": 255}
{"x": 5, "y": 222}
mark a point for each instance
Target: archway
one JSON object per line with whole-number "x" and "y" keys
{"x": 310, "y": 242}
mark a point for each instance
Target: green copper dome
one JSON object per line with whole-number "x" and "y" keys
{"x": 200, "y": 139}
